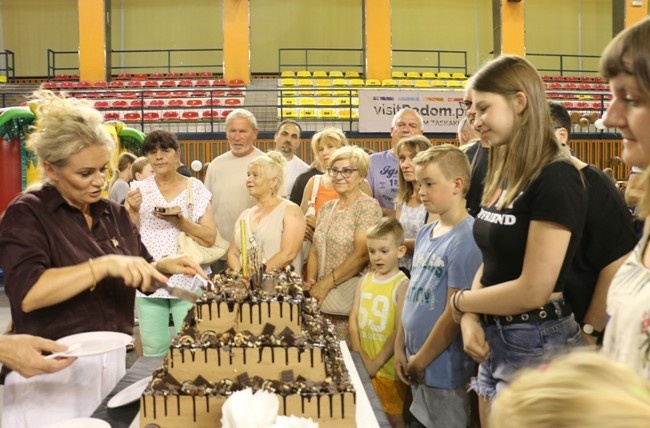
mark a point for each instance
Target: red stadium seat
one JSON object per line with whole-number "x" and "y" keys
{"x": 134, "y": 84}
{"x": 199, "y": 94}
{"x": 151, "y": 84}
{"x": 101, "y": 104}
{"x": 202, "y": 83}
{"x": 179, "y": 94}
{"x": 139, "y": 76}
{"x": 66, "y": 85}
{"x": 170, "y": 115}
{"x": 211, "y": 114}
{"x": 219, "y": 82}
{"x": 61, "y": 77}
{"x": 232, "y": 102}
{"x": 206, "y": 75}
{"x": 100, "y": 84}
{"x": 173, "y": 75}
{"x": 234, "y": 94}
{"x": 189, "y": 75}
{"x": 213, "y": 102}
{"x": 50, "y": 85}
{"x": 218, "y": 93}
{"x": 236, "y": 83}
{"x": 157, "y": 76}
{"x": 185, "y": 84}
{"x": 175, "y": 103}
{"x": 157, "y": 103}
{"x": 190, "y": 115}
{"x": 168, "y": 84}
{"x": 116, "y": 84}
{"x": 194, "y": 102}
{"x": 123, "y": 76}
{"x": 83, "y": 85}
{"x": 111, "y": 115}
{"x": 120, "y": 104}
{"x": 225, "y": 113}
{"x": 132, "y": 116}
{"x": 138, "y": 103}
{"x": 151, "y": 116}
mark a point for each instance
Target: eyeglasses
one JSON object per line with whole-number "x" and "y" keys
{"x": 345, "y": 172}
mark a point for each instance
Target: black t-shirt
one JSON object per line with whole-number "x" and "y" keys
{"x": 607, "y": 236}
{"x": 557, "y": 195}
{"x": 299, "y": 185}
{"x": 478, "y": 159}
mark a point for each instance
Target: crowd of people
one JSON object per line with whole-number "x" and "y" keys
{"x": 448, "y": 269}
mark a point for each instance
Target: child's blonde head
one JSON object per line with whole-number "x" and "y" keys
{"x": 581, "y": 389}
{"x": 450, "y": 159}
{"x": 387, "y": 227}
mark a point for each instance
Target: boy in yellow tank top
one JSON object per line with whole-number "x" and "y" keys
{"x": 376, "y": 314}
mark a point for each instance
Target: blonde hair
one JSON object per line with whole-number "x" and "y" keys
{"x": 415, "y": 144}
{"x": 581, "y": 389}
{"x": 139, "y": 164}
{"x": 628, "y": 53}
{"x": 533, "y": 145}
{"x": 357, "y": 156}
{"x": 65, "y": 126}
{"x": 387, "y": 227}
{"x": 272, "y": 165}
{"x": 450, "y": 159}
{"x": 335, "y": 135}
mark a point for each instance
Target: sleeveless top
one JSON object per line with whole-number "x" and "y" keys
{"x": 412, "y": 219}
{"x": 268, "y": 232}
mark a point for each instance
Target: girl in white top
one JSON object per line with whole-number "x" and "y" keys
{"x": 408, "y": 208}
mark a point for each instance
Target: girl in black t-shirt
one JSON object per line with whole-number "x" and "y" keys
{"x": 532, "y": 212}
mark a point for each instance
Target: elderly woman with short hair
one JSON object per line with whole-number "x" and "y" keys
{"x": 274, "y": 224}
{"x": 339, "y": 251}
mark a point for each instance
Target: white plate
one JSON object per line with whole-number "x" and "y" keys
{"x": 129, "y": 394}
{"x": 81, "y": 423}
{"x": 95, "y": 342}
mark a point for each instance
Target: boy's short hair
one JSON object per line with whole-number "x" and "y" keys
{"x": 451, "y": 161}
{"x": 387, "y": 227}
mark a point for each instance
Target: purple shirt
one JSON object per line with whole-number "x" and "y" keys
{"x": 383, "y": 178}
{"x": 39, "y": 231}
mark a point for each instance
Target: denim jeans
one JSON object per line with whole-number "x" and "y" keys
{"x": 521, "y": 345}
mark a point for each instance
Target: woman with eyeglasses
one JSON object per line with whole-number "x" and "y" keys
{"x": 339, "y": 253}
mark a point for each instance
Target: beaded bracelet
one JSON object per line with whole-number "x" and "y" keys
{"x": 92, "y": 271}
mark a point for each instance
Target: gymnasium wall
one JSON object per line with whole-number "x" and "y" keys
{"x": 30, "y": 27}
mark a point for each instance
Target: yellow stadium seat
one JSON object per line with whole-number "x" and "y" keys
{"x": 460, "y": 76}
{"x": 413, "y": 75}
{"x": 444, "y": 75}
{"x": 306, "y": 101}
{"x": 355, "y": 101}
{"x": 454, "y": 84}
{"x": 438, "y": 83}
{"x": 351, "y": 74}
{"x": 305, "y": 82}
{"x": 326, "y": 113}
{"x": 307, "y": 113}
{"x": 319, "y": 74}
{"x": 429, "y": 75}
{"x": 288, "y": 82}
{"x": 336, "y": 74}
{"x": 289, "y": 93}
{"x": 322, "y": 83}
{"x": 323, "y": 93}
{"x": 342, "y": 101}
{"x": 289, "y": 101}
{"x": 325, "y": 102}
{"x": 373, "y": 82}
{"x": 422, "y": 84}
{"x": 398, "y": 75}
{"x": 347, "y": 114}
{"x": 288, "y": 74}
{"x": 388, "y": 82}
{"x": 303, "y": 74}
{"x": 354, "y": 93}
{"x": 340, "y": 93}
{"x": 339, "y": 82}
{"x": 287, "y": 113}
{"x": 356, "y": 82}
{"x": 405, "y": 83}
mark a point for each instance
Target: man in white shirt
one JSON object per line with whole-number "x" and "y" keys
{"x": 383, "y": 172}
{"x": 287, "y": 141}
{"x": 226, "y": 175}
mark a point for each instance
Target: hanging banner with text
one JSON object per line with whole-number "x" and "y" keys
{"x": 440, "y": 110}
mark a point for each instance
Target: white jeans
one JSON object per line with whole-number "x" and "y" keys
{"x": 73, "y": 392}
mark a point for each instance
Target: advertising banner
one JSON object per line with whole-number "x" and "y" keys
{"x": 440, "y": 110}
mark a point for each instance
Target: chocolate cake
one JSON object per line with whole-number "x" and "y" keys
{"x": 260, "y": 333}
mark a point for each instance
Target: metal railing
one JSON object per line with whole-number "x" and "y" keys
{"x": 153, "y": 60}
{"x": 565, "y": 64}
{"x": 7, "y": 65}
{"x": 321, "y": 58}
{"x": 438, "y": 60}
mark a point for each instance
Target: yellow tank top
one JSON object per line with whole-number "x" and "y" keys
{"x": 376, "y": 317}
